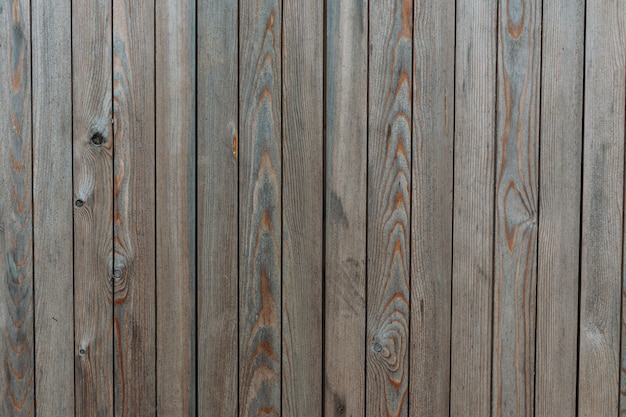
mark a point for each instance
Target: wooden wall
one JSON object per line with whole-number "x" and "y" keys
{"x": 312, "y": 208}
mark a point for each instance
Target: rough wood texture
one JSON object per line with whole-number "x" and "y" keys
{"x": 602, "y": 210}
{"x": 52, "y": 199}
{"x": 217, "y": 174}
{"x": 431, "y": 210}
{"x": 134, "y": 199}
{"x": 17, "y": 368}
{"x": 260, "y": 220}
{"x": 345, "y": 206}
{"x": 389, "y": 207}
{"x": 93, "y": 194}
{"x": 472, "y": 273}
{"x": 176, "y": 207}
{"x": 302, "y": 202}
{"x": 515, "y": 259}
{"x": 559, "y": 207}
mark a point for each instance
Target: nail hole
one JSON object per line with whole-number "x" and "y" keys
{"x": 97, "y": 139}
{"x": 377, "y": 347}
{"x": 79, "y": 203}
{"x": 82, "y": 351}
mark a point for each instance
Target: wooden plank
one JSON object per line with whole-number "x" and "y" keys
{"x": 260, "y": 183}
{"x": 431, "y": 210}
{"x": 52, "y": 199}
{"x": 217, "y": 217}
{"x": 345, "y": 206}
{"x": 472, "y": 270}
{"x": 134, "y": 205}
{"x": 515, "y": 258}
{"x": 175, "y": 207}
{"x": 389, "y": 207}
{"x": 302, "y": 201}
{"x": 17, "y": 347}
{"x": 559, "y": 207}
{"x": 602, "y": 209}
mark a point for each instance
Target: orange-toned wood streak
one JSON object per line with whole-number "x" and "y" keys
{"x": 260, "y": 208}
{"x": 93, "y": 194}
{"x": 17, "y": 373}
{"x": 389, "y": 207}
{"x": 134, "y": 219}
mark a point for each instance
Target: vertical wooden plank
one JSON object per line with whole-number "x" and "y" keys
{"x": 559, "y": 207}
{"x": 17, "y": 396}
{"x": 52, "y": 199}
{"x": 602, "y": 215}
{"x": 472, "y": 270}
{"x": 345, "y": 209}
{"x": 431, "y": 212}
{"x": 260, "y": 187}
{"x": 217, "y": 199}
{"x": 134, "y": 199}
{"x": 302, "y": 202}
{"x": 389, "y": 207}
{"x": 93, "y": 194}
{"x": 175, "y": 207}
{"x": 515, "y": 259}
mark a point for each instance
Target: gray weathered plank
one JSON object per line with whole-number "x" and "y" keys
{"x": 345, "y": 206}
{"x": 52, "y": 199}
{"x": 134, "y": 205}
{"x": 559, "y": 207}
{"x": 302, "y": 202}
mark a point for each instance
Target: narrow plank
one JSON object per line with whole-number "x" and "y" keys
{"x": 515, "y": 258}
{"x": 472, "y": 269}
{"x": 175, "y": 207}
{"x": 52, "y": 200}
{"x": 389, "y": 207}
{"x": 93, "y": 202}
{"x": 17, "y": 347}
{"x": 602, "y": 209}
{"x": 559, "y": 207}
{"x": 302, "y": 202}
{"x": 431, "y": 207}
{"x": 260, "y": 208}
{"x": 217, "y": 199}
{"x": 134, "y": 205}
{"x": 345, "y": 206}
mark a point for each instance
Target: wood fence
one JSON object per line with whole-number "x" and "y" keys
{"x": 312, "y": 208}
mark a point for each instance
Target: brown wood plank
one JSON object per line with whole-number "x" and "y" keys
{"x": 431, "y": 211}
{"x": 345, "y": 206}
{"x": 217, "y": 198}
{"x": 52, "y": 200}
{"x": 93, "y": 195}
{"x": 175, "y": 207}
{"x": 134, "y": 205}
{"x": 302, "y": 202}
{"x": 260, "y": 187}
{"x": 559, "y": 208}
{"x": 389, "y": 207}
{"x": 17, "y": 347}
{"x": 472, "y": 270}
{"x": 602, "y": 209}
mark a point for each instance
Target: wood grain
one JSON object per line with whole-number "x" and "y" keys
{"x": 52, "y": 202}
{"x": 17, "y": 387}
{"x": 389, "y": 207}
{"x": 217, "y": 199}
{"x": 431, "y": 207}
{"x": 559, "y": 208}
{"x": 302, "y": 202}
{"x": 93, "y": 202}
{"x": 134, "y": 205}
{"x": 175, "y": 207}
{"x": 602, "y": 209}
{"x": 260, "y": 228}
{"x": 345, "y": 207}
{"x": 515, "y": 259}
{"x": 472, "y": 270}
